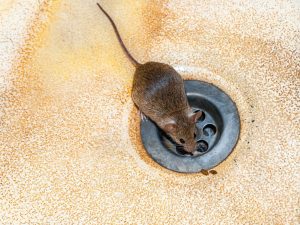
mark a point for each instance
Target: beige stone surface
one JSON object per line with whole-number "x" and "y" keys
{"x": 70, "y": 148}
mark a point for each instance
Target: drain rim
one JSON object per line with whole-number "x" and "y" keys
{"x": 220, "y": 150}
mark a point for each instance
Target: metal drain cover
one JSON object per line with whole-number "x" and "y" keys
{"x": 217, "y": 131}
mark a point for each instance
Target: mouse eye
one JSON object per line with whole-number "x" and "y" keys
{"x": 195, "y": 135}
{"x": 182, "y": 141}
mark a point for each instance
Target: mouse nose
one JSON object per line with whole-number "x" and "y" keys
{"x": 191, "y": 148}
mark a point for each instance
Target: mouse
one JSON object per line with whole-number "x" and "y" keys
{"x": 158, "y": 92}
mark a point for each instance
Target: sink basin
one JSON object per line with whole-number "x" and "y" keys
{"x": 70, "y": 143}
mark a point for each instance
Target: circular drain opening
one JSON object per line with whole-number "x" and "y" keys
{"x": 202, "y": 146}
{"x": 217, "y": 132}
{"x": 209, "y": 130}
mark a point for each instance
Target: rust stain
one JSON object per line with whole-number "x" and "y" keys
{"x": 26, "y": 94}
{"x": 154, "y": 15}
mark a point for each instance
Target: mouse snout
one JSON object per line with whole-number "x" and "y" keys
{"x": 191, "y": 147}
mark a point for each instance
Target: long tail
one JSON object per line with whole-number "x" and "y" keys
{"x": 134, "y": 62}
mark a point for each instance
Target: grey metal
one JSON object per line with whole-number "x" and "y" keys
{"x": 217, "y": 131}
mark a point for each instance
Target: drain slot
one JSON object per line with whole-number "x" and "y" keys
{"x": 202, "y": 146}
{"x": 209, "y": 130}
{"x": 217, "y": 132}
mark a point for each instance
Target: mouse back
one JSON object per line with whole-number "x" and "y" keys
{"x": 158, "y": 90}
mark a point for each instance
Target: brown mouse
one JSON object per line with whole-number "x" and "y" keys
{"x": 158, "y": 91}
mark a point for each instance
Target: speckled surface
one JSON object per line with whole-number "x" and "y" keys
{"x": 70, "y": 150}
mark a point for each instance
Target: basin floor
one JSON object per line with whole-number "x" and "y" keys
{"x": 70, "y": 145}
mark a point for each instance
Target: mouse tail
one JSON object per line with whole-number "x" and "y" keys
{"x": 133, "y": 61}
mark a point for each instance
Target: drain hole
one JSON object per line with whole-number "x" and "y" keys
{"x": 202, "y": 146}
{"x": 209, "y": 130}
{"x": 202, "y": 118}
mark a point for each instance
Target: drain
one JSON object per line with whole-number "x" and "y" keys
{"x": 217, "y": 132}
{"x": 202, "y": 146}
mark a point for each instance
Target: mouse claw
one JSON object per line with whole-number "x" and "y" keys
{"x": 143, "y": 116}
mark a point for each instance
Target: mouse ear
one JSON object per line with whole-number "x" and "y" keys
{"x": 170, "y": 127}
{"x": 194, "y": 117}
